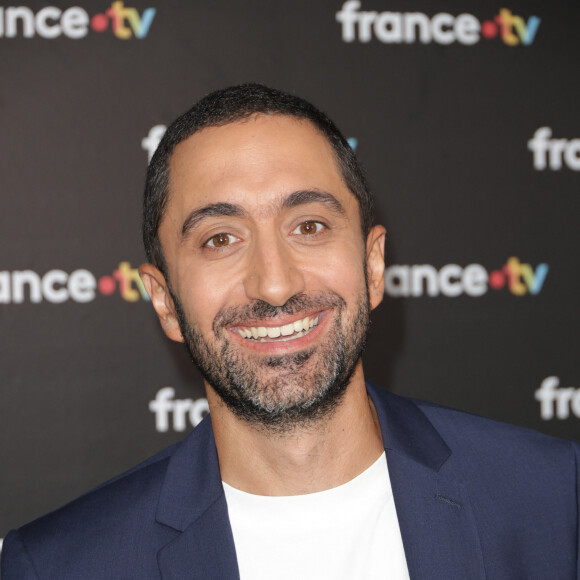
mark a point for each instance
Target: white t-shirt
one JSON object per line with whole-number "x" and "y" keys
{"x": 350, "y": 532}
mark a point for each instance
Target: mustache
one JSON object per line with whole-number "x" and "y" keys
{"x": 261, "y": 310}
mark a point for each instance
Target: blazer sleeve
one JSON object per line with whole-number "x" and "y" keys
{"x": 16, "y": 563}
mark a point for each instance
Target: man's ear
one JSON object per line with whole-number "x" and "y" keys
{"x": 156, "y": 287}
{"x": 376, "y": 264}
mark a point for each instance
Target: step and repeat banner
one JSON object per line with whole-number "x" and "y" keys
{"x": 466, "y": 117}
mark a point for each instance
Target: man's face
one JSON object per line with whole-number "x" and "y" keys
{"x": 267, "y": 263}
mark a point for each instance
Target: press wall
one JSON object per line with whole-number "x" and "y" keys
{"x": 466, "y": 118}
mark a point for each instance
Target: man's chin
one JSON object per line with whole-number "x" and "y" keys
{"x": 288, "y": 364}
{"x": 283, "y": 414}
{"x": 280, "y": 399}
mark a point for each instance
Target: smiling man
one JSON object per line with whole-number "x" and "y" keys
{"x": 264, "y": 261}
{"x": 263, "y": 274}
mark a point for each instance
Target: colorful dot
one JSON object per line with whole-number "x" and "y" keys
{"x": 107, "y": 285}
{"x": 497, "y": 279}
{"x": 489, "y": 29}
{"x": 99, "y": 22}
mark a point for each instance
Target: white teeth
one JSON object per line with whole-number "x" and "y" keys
{"x": 287, "y": 338}
{"x": 293, "y": 329}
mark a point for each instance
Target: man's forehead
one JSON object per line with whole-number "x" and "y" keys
{"x": 240, "y": 132}
{"x": 247, "y": 152}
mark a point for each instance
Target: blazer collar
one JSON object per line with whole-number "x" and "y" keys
{"x": 193, "y": 480}
{"x": 405, "y": 429}
{"x": 434, "y": 511}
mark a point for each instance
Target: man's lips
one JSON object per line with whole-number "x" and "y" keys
{"x": 289, "y": 330}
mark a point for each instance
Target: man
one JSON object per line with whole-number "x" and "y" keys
{"x": 265, "y": 263}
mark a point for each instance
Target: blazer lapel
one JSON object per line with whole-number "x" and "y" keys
{"x": 204, "y": 551}
{"x": 434, "y": 512}
{"x": 192, "y": 501}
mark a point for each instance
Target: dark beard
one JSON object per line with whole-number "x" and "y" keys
{"x": 293, "y": 396}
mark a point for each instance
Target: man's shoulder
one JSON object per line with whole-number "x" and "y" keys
{"x": 117, "y": 505}
{"x": 136, "y": 513}
{"x": 472, "y": 429}
{"x": 473, "y": 438}
{"x": 111, "y": 501}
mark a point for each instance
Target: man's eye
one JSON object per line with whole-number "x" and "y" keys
{"x": 308, "y": 228}
{"x": 220, "y": 241}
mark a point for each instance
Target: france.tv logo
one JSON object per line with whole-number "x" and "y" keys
{"x": 57, "y": 286}
{"x": 441, "y": 28}
{"x": 51, "y": 22}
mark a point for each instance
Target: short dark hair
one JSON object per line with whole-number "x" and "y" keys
{"x": 226, "y": 106}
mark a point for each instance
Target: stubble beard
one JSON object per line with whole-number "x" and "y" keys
{"x": 280, "y": 393}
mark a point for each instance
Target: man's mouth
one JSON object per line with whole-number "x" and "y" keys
{"x": 290, "y": 331}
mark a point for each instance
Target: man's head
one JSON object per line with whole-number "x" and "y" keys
{"x": 264, "y": 274}
{"x": 227, "y": 106}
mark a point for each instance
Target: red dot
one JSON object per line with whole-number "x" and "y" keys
{"x": 497, "y": 279}
{"x": 107, "y": 285}
{"x": 99, "y": 22}
{"x": 489, "y": 29}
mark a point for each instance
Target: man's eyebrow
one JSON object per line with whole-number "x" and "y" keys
{"x": 230, "y": 209}
{"x": 211, "y": 210}
{"x": 314, "y": 196}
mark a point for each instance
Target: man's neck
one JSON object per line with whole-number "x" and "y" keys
{"x": 305, "y": 460}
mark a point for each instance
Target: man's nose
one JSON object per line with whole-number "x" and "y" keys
{"x": 274, "y": 274}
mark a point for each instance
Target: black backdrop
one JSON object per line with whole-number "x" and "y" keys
{"x": 469, "y": 129}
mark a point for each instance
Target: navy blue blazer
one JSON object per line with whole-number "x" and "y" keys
{"x": 475, "y": 499}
